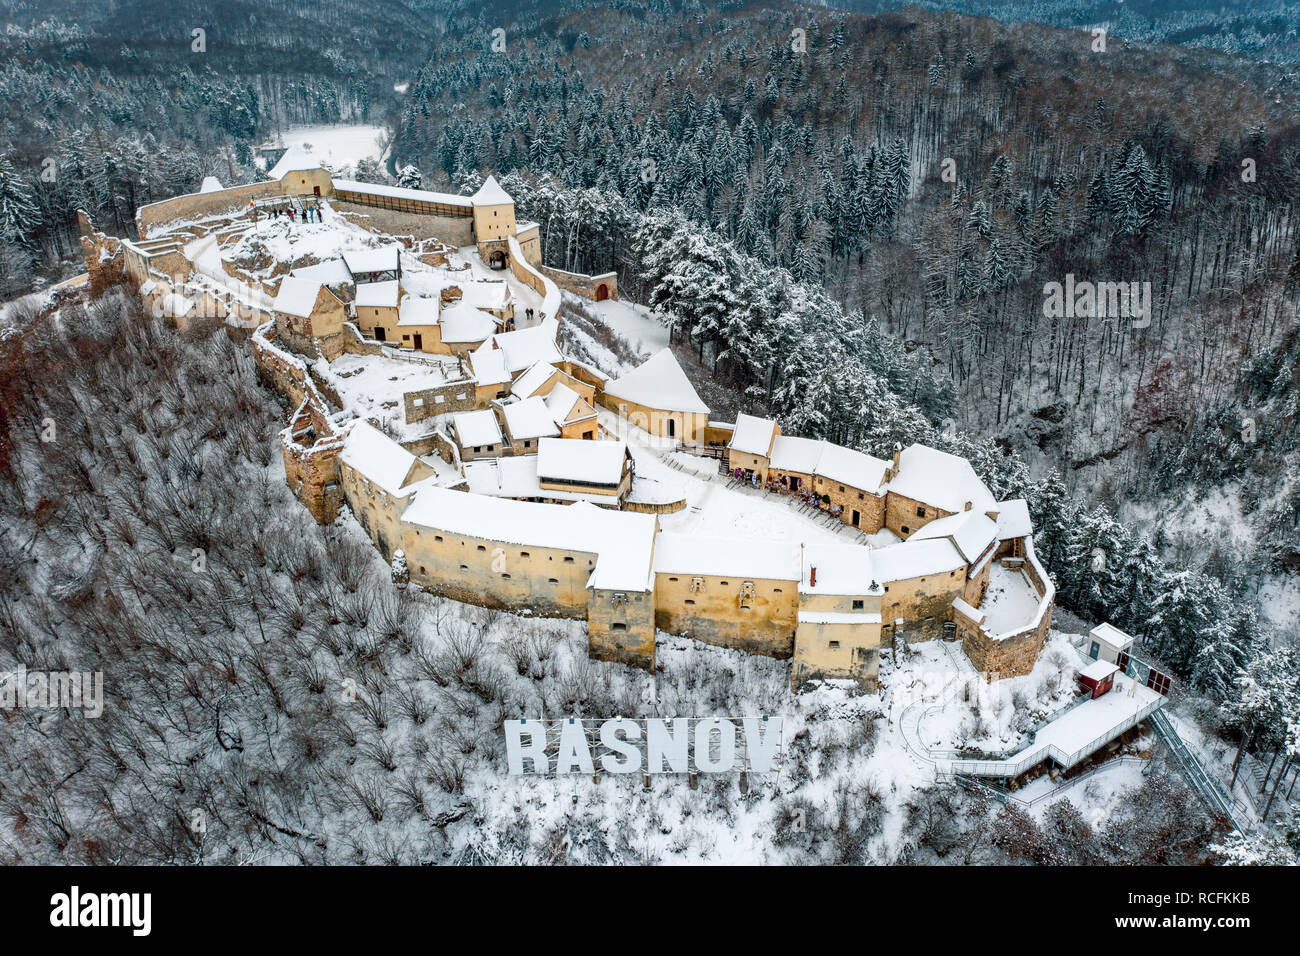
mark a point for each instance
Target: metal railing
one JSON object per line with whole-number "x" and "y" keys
{"x": 1210, "y": 791}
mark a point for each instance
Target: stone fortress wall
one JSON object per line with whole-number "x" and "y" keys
{"x": 624, "y": 599}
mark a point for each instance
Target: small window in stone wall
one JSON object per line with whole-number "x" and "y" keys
{"x": 857, "y": 605}
{"x": 618, "y": 626}
{"x": 835, "y": 645}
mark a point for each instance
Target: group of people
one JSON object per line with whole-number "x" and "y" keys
{"x": 309, "y": 214}
{"x": 786, "y": 485}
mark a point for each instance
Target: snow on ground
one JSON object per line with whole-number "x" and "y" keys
{"x": 1097, "y": 795}
{"x": 525, "y": 297}
{"x": 713, "y": 508}
{"x": 338, "y": 147}
{"x": 1010, "y": 601}
{"x": 943, "y": 703}
{"x": 1279, "y": 599}
{"x": 373, "y": 385}
{"x": 636, "y": 323}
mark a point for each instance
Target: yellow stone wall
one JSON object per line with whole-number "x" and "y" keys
{"x": 714, "y": 615}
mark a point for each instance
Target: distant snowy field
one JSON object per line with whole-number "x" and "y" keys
{"x": 338, "y": 147}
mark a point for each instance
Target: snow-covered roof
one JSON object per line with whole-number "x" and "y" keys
{"x": 489, "y": 365}
{"x": 1013, "y": 519}
{"x": 485, "y": 295}
{"x": 937, "y": 478}
{"x": 417, "y": 311}
{"x": 790, "y": 453}
{"x": 297, "y": 296}
{"x": 532, "y": 379}
{"x": 971, "y": 531}
{"x": 491, "y": 194}
{"x": 476, "y": 429}
{"x": 1112, "y": 635}
{"x": 567, "y": 406}
{"x": 529, "y": 419}
{"x": 379, "y": 295}
{"x": 364, "y": 261}
{"x": 753, "y": 436}
{"x": 294, "y": 160}
{"x": 211, "y": 184}
{"x": 915, "y": 559}
{"x": 516, "y": 477}
{"x": 525, "y": 347}
{"x": 659, "y": 382}
{"x": 376, "y": 457}
{"x": 401, "y": 192}
{"x": 1098, "y": 671}
{"x": 581, "y": 461}
{"x": 622, "y": 541}
{"x": 746, "y": 559}
{"x": 464, "y": 323}
{"x": 841, "y": 569}
{"x": 850, "y": 467}
{"x": 329, "y": 272}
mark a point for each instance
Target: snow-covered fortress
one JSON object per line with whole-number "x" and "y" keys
{"x": 417, "y": 335}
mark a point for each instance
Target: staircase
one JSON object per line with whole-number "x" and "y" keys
{"x": 1210, "y": 791}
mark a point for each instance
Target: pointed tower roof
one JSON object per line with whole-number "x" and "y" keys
{"x": 658, "y": 383}
{"x": 491, "y": 194}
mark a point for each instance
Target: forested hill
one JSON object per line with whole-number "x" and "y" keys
{"x": 109, "y": 105}
{"x": 816, "y": 140}
{"x": 1259, "y": 29}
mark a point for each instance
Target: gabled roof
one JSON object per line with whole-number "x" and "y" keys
{"x": 753, "y": 436}
{"x": 971, "y": 531}
{"x": 477, "y": 428}
{"x": 529, "y": 419}
{"x": 532, "y": 379}
{"x": 850, "y": 467}
{"x": 937, "y": 478}
{"x": 525, "y": 347}
{"x": 378, "y": 458}
{"x": 567, "y": 406}
{"x": 329, "y": 272}
{"x": 580, "y": 461}
{"x": 491, "y": 194}
{"x": 791, "y": 453}
{"x": 417, "y": 311}
{"x": 381, "y": 295}
{"x": 915, "y": 559}
{"x": 464, "y": 323}
{"x": 489, "y": 365}
{"x": 365, "y": 261}
{"x": 659, "y": 382}
{"x": 296, "y": 296}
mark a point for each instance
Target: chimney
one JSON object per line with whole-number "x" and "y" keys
{"x": 967, "y": 508}
{"x": 898, "y": 452}
{"x": 812, "y": 576}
